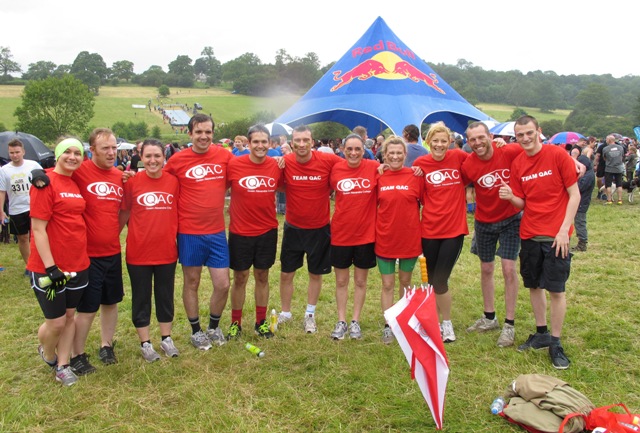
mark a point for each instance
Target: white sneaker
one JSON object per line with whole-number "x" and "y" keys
{"x": 448, "y": 336}
{"x": 169, "y": 348}
{"x": 216, "y": 336}
{"x": 483, "y": 325}
{"x": 284, "y": 318}
{"x": 354, "y": 331}
{"x": 507, "y": 336}
{"x": 339, "y": 331}
{"x": 148, "y": 353}
{"x": 387, "y": 335}
{"x": 200, "y": 341}
{"x": 310, "y": 324}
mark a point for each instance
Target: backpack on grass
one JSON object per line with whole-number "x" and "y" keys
{"x": 545, "y": 404}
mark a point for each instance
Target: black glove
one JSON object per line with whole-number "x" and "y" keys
{"x": 39, "y": 178}
{"x": 58, "y": 280}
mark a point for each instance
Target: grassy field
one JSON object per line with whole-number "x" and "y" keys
{"x": 309, "y": 383}
{"x": 114, "y": 104}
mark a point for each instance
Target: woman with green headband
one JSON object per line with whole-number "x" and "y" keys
{"x": 59, "y": 263}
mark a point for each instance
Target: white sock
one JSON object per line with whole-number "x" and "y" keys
{"x": 311, "y": 310}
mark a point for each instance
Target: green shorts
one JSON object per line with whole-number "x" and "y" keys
{"x": 388, "y": 266}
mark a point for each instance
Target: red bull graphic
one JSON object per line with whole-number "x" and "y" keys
{"x": 385, "y": 65}
{"x": 416, "y": 75}
{"x": 363, "y": 71}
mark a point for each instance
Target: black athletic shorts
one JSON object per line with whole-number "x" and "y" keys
{"x": 257, "y": 251}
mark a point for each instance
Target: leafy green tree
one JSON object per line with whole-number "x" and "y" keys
{"x": 636, "y": 112}
{"x": 7, "y": 65}
{"x": 39, "y": 70}
{"x": 551, "y": 127}
{"x": 54, "y": 107}
{"x": 181, "y": 72}
{"x": 122, "y": 70}
{"x": 131, "y": 131}
{"x": 595, "y": 98}
{"x": 91, "y": 69}
{"x": 61, "y": 71}
{"x": 516, "y": 113}
{"x": 152, "y": 77}
{"x": 2, "y": 127}
{"x": 156, "y": 133}
{"x": 164, "y": 91}
{"x": 208, "y": 66}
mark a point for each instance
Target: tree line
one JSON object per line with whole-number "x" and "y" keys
{"x": 599, "y": 104}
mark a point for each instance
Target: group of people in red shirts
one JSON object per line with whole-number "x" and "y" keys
{"x": 385, "y": 215}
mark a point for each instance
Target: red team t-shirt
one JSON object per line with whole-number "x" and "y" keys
{"x": 102, "y": 190}
{"x": 307, "y": 189}
{"x": 444, "y": 210}
{"x": 398, "y": 221}
{"x": 202, "y": 179}
{"x": 354, "y": 215}
{"x": 153, "y": 221}
{"x": 62, "y": 205}
{"x": 252, "y": 211}
{"x": 486, "y": 176}
{"x": 542, "y": 181}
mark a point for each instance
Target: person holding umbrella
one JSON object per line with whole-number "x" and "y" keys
{"x": 149, "y": 207}
{"x": 59, "y": 243}
{"x": 444, "y": 217}
{"x": 400, "y": 192}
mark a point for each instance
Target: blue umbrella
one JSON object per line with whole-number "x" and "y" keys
{"x": 568, "y": 137}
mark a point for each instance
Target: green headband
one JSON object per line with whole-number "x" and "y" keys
{"x": 67, "y": 143}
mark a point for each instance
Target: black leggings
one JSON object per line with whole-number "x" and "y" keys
{"x": 162, "y": 278}
{"x": 441, "y": 255}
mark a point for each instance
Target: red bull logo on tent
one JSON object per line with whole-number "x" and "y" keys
{"x": 386, "y": 65}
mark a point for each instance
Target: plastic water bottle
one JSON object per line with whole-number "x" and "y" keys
{"x": 254, "y": 349}
{"x": 273, "y": 326}
{"x": 46, "y": 281}
{"x": 497, "y": 406}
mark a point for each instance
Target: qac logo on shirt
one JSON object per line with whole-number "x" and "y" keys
{"x": 257, "y": 182}
{"x": 105, "y": 190}
{"x": 154, "y": 199}
{"x": 492, "y": 179}
{"x": 443, "y": 177}
{"x": 204, "y": 172}
{"x": 348, "y": 185}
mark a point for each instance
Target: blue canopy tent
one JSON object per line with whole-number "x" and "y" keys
{"x": 380, "y": 83}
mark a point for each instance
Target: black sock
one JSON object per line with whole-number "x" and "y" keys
{"x": 214, "y": 321}
{"x": 164, "y": 337}
{"x": 142, "y": 343}
{"x": 542, "y": 329}
{"x": 386, "y": 325}
{"x": 490, "y": 316}
{"x": 195, "y": 325}
{"x": 511, "y": 322}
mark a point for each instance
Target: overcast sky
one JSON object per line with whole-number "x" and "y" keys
{"x": 564, "y": 36}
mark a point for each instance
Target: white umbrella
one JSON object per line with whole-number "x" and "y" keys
{"x": 279, "y": 129}
{"x": 505, "y": 128}
{"x": 126, "y": 146}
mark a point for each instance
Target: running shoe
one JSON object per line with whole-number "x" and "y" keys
{"x": 235, "y": 331}
{"x": 81, "y": 365}
{"x": 200, "y": 341}
{"x": 536, "y": 341}
{"x": 387, "y": 335}
{"x": 448, "y": 336}
{"x": 107, "y": 355}
{"x": 354, "y": 330}
{"x": 483, "y": 325}
{"x": 148, "y": 352}
{"x": 216, "y": 336}
{"x": 169, "y": 348}
{"x": 507, "y": 336}
{"x": 310, "y": 324}
{"x": 262, "y": 329}
{"x": 284, "y": 318}
{"x": 339, "y": 331}
{"x": 66, "y": 376}
{"x": 558, "y": 359}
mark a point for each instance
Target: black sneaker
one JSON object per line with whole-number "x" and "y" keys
{"x": 536, "y": 341}
{"x": 107, "y": 356}
{"x": 558, "y": 358}
{"x": 262, "y": 329}
{"x": 80, "y": 365}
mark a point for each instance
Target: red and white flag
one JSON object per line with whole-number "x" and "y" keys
{"x": 414, "y": 322}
